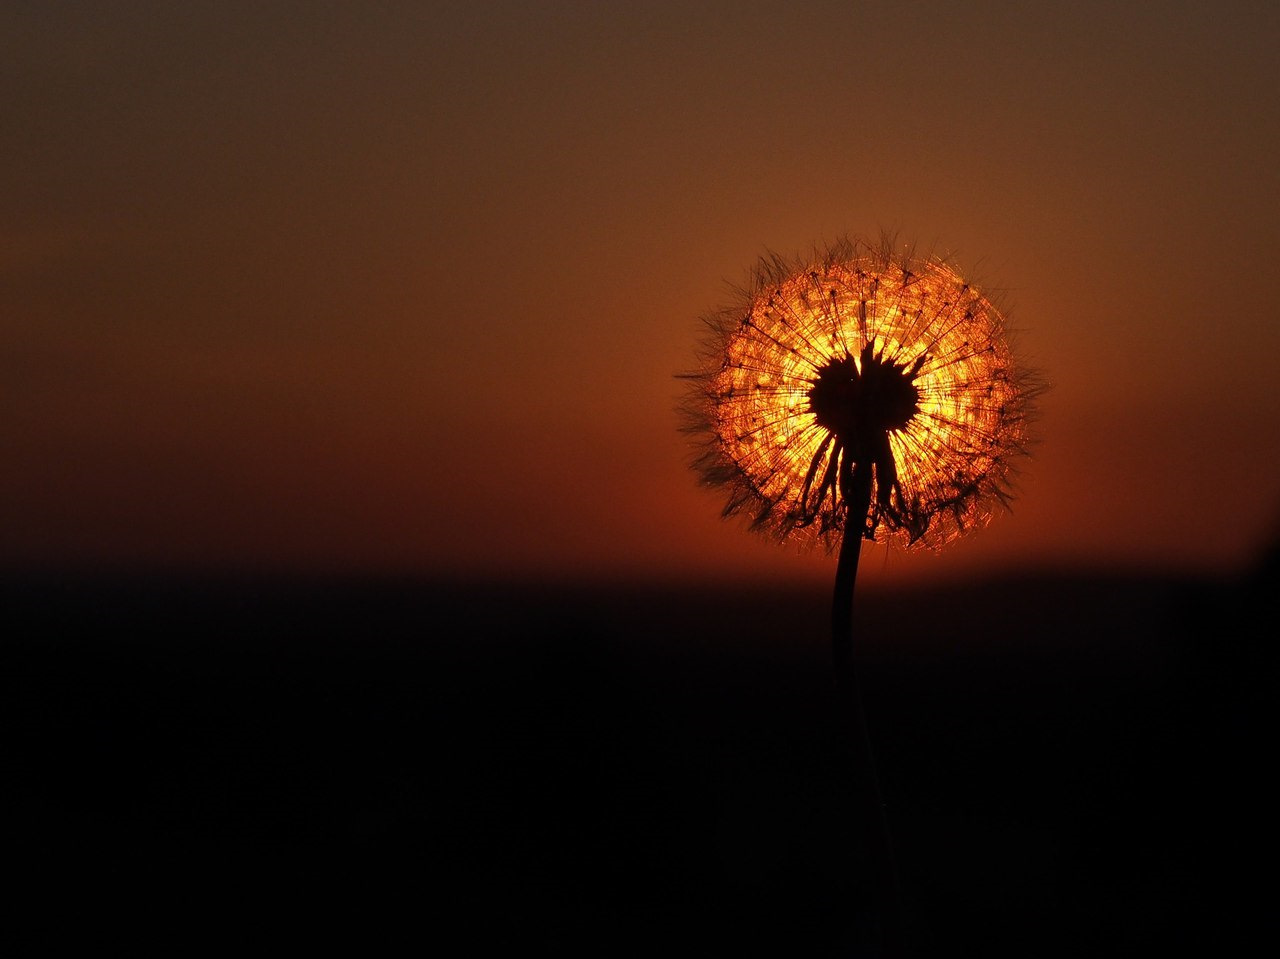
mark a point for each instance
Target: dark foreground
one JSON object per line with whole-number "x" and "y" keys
{"x": 1073, "y": 767}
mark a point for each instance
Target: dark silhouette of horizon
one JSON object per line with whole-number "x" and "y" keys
{"x": 1067, "y": 763}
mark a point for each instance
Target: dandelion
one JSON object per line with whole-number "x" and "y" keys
{"x": 861, "y": 394}
{"x": 862, "y": 374}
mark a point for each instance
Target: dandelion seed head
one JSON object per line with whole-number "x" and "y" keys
{"x": 860, "y": 357}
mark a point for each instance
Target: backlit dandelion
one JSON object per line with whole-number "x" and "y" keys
{"x": 862, "y": 394}
{"x": 863, "y": 373}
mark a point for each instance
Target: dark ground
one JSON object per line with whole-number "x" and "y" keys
{"x": 1073, "y": 767}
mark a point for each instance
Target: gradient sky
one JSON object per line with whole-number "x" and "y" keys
{"x": 402, "y": 287}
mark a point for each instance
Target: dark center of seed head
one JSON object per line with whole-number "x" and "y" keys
{"x": 863, "y": 404}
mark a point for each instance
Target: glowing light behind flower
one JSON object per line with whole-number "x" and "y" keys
{"x": 868, "y": 315}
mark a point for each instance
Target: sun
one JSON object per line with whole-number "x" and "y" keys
{"x": 861, "y": 365}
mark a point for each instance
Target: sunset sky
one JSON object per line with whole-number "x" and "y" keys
{"x": 403, "y": 287}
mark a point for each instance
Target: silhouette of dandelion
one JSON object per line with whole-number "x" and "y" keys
{"x": 861, "y": 394}
{"x": 861, "y": 367}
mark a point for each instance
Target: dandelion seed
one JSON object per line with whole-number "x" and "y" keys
{"x": 860, "y": 366}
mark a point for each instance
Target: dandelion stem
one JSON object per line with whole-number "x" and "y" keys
{"x": 854, "y": 731}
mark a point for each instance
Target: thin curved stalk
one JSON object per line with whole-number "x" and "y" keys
{"x": 854, "y": 731}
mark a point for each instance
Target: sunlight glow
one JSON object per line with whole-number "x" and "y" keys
{"x": 926, "y": 327}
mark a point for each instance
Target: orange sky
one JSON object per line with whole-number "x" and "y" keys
{"x": 392, "y": 288}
